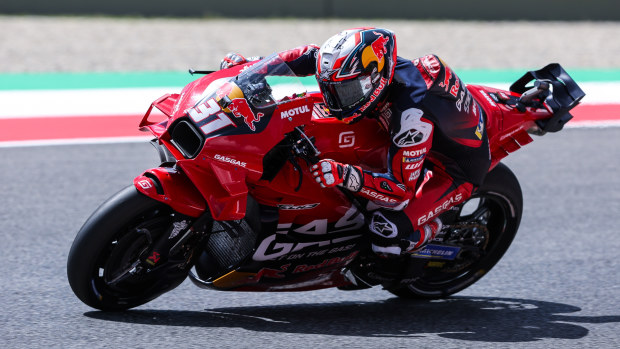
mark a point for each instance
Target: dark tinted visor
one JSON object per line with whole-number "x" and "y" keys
{"x": 345, "y": 95}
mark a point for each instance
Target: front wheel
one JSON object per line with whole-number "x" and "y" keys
{"x": 112, "y": 265}
{"x": 483, "y": 228}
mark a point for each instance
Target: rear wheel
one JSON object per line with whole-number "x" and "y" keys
{"x": 483, "y": 228}
{"x": 112, "y": 265}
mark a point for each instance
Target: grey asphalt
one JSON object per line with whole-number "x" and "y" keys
{"x": 557, "y": 286}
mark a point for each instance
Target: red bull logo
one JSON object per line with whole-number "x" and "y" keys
{"x": 376, "y": 51}
{"x": 378, "y": 46}
{"x": 240, "y": 108}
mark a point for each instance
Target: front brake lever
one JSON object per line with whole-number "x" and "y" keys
{"x": 303, "y": 148}
{"x": 298, "y": 169}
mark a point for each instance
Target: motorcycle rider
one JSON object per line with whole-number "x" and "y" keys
{"x": 439, "y": 151}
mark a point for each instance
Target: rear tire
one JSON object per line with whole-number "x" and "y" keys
{"x": 499, "y": 208}
{"x": 110, "y": 242}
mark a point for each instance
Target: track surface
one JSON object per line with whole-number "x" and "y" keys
{"x": 557, "y": 286}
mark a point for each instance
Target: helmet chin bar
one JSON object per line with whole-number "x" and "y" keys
{"x": 352, "y": 119}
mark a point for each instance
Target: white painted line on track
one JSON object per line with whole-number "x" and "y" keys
{"x": 125, "y": 101}
{"x": 145, "y": 139}
{"x": 52, "y": 142}
{"x": 52, "y": 103}
{"x": 593, "y": 124}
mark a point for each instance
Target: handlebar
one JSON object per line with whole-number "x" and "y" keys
{"x": 305, "y": 149}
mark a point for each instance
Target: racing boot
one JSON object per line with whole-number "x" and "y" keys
{"x": 419, "y": 239}
{"x": 393, "y": 234}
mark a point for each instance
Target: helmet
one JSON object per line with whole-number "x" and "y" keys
{"x": 354, "y": 69}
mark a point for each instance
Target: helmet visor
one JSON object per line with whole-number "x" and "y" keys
{"x": 344, "y": 96}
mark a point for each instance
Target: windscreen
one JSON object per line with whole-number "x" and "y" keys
{"x": 268, "y": 81}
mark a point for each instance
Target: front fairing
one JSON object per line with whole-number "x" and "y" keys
{"x": 220, "y": 127}
{"x": 237, "y": 101}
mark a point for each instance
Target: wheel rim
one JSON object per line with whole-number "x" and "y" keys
{"x": 120, "y": 274}
{"x": 482, "y": 233}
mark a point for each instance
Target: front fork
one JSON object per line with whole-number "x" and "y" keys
{"x": 181, "y": 240}
{"x": 176, "y": 247}
{"x": 173, "y": 252}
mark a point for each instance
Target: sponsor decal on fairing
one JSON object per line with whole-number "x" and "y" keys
{"x": 325, "y": 263}
{"x": 295, "y": 111}
{"x": 145, "y": 184}
{"x": 240, "y": 108}
{"x": 297, "y": 207}
{"x": 346, "y": 139}
{"x": 271, "y": 249}
{"x": 177, "y": 228}
{"x": 154, "y": 258}
{"x": 489, "y": 99}
{"x": 230, "y": 160}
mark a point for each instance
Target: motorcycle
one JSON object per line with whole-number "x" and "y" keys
{"x": 234, "y": 207}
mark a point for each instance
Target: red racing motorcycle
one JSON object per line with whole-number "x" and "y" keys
{"x": 234, "y": 207}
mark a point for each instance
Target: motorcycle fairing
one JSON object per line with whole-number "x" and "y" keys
{"x": 510, "y": 120}
{"x": 172, "y": 187}
{"x": 289, "y": 277}
{"x": 219, "y": 162}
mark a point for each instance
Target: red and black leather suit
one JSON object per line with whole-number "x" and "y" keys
{"x": 439, "y": 152}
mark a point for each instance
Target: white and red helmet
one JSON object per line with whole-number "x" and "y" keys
{"x": 354, "y": 69}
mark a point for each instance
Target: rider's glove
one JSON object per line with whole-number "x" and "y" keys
{"x": 329, "y": 173}
{"x": 232, "y": 59}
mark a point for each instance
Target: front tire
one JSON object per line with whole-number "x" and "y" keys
{"x": 487, "y": 230}
{"x": 106, "y": 268}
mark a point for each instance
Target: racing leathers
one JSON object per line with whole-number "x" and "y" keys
{"x": 439, "y": 151}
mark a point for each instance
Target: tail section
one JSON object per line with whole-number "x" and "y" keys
{"x": 535, "y": 109}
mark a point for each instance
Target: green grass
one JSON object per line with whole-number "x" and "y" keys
{"x": 54, "y": 81}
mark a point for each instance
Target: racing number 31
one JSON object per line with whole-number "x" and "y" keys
{"x": 206, "y": 109}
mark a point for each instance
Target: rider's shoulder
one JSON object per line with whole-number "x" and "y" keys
{"x": 431, "y": 67}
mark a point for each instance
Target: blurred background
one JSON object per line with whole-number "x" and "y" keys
{"x": 115, "y": 35}
{"x": 445, "y": 9}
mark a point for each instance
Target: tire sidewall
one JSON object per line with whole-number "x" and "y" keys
{"x": 96, "y": 233}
